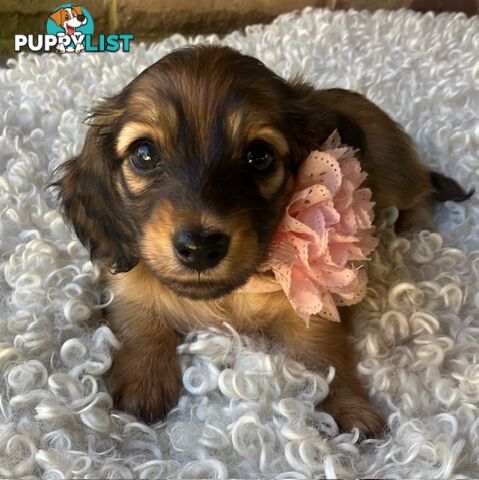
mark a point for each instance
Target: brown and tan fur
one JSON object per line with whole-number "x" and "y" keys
{"x": 201, "y": 107}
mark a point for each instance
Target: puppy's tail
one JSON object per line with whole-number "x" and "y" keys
{"x": 446, "y": 188}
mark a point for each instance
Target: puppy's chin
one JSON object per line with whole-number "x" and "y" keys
{"x": 203, "y": 289}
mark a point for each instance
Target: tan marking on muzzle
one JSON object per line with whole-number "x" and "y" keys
{"x": 157, "y": 246}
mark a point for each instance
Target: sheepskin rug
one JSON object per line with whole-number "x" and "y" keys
{"x": 246, "y": 413}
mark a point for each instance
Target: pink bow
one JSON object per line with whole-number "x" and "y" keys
{"x": 325, "y": 232}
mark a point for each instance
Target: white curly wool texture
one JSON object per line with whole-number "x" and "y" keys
{"x": 245, "y": 413}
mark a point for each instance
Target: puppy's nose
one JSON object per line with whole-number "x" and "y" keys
{"x": 80, "y": 18}
{"x": 200, "y": 249}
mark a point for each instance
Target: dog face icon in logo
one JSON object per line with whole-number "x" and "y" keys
{"x": 70, "y": 23}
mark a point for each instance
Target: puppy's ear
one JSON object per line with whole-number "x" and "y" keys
{"x": 77, "y": 9}
{"x": 313, "y": 118}
{"x": 57, "y": 16}
{"x": 309, "y": 119}
{"x": 90, "y": 196}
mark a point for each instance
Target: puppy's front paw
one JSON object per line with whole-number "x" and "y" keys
{"x": 352, "y": 410}
{"x": 147, "y": 389}
{"x": 79, "y": 48}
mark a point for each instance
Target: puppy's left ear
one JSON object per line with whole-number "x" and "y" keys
{"x": 89, "y": 194}
{"x": 310, "y": 120}
{"x": 77, "y": 9}
{"x": 313, "y": 118}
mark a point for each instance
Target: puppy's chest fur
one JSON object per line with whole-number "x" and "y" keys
{"x": 142, "y": 306}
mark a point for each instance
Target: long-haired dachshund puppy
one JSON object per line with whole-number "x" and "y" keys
{"x": 181, "y": 183}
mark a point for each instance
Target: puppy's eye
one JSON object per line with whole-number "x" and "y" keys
{"x": 144, "y": 157}
{"x": 260, "y": 156}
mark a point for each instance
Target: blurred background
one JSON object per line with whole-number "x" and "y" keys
{"x": 151, "y": 20}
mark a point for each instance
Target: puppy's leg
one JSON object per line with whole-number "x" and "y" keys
{"x": 325, "y": 343}
{"x": 416, "y": 218}
{"x": 145, "y": 378}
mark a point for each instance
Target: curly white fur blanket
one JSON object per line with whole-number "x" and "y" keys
{"x": 245, "y": 413}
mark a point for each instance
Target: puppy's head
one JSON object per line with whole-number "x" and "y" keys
{"x": 69, "y": 17}
{"x": 189, "y": 169}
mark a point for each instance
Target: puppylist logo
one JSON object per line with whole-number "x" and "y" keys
{"x": 70, "y": 30}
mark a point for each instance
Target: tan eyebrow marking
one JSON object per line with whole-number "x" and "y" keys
{"x": 233, "y": 122}
{"x": 272, "y": 136}
{"x": 133, "y": 131}
{"x": 154, "y": 111}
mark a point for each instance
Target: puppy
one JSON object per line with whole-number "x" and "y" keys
{"x": 182, "y": 180}
{"x": 69, "y": 18}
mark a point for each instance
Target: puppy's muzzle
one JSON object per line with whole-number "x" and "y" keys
{"x": 200, "y": 249}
